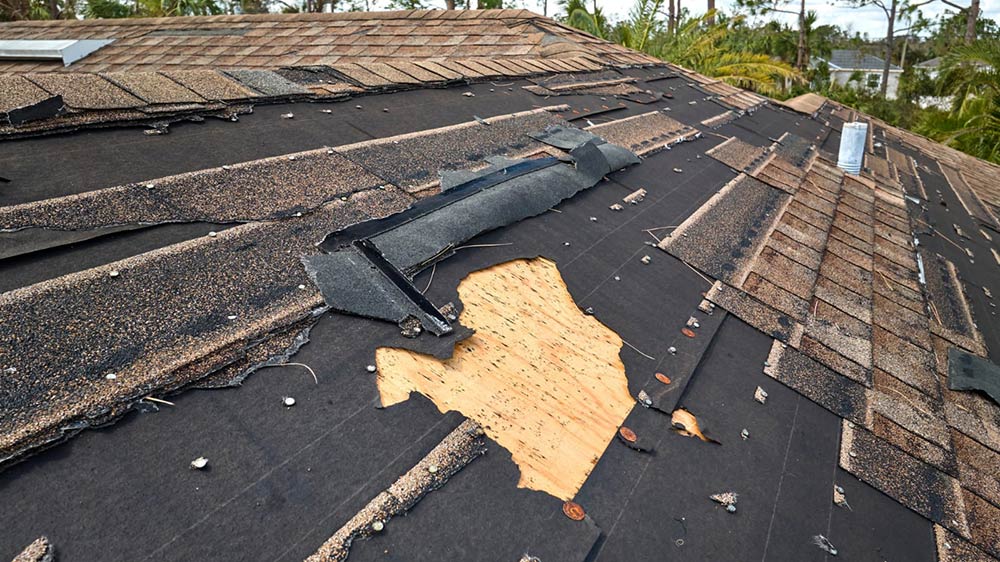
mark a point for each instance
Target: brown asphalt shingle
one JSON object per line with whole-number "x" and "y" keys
{"x": 19, "y": 92}
{"x": 86, "y": 91}
{"x": 153, "y": 87}
{"x": 210, "y": 85}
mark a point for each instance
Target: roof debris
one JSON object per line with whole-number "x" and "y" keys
{"x": 686, "y": 424}
{"x": 839, "y": 498}
{"x": 760, "y": 395}
{"x": 825, "y": 544}
{"x": 726, "y": 499}
{"x": 40, "y": 550}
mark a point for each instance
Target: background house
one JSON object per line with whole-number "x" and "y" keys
{"x": 850, "y": 66}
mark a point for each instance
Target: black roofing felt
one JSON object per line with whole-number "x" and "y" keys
{"x": 942, "y": 211}
{"x": 968, "y": 372}
{"x": 282, "y": 480}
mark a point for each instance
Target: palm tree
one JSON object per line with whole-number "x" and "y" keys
{"x": 641, "y": 26}
{"x": 592, "y": 21}
{"x": 701, "y": 47}
{"x": 971, "y": 74}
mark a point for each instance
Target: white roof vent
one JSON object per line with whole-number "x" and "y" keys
{"x": 66, "y": 50}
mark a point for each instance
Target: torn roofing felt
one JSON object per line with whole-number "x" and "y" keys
{"x": 969, "y": 372}
{"x": 371, "y": 275}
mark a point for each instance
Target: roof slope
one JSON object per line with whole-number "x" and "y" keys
{"x": 276, "y": 40}
{"x": 316, "y": 252}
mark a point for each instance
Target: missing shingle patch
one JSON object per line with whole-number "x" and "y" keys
{"x": 543, "y": 379}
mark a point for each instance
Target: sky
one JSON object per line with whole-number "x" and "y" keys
{"x": 870, "y": 20}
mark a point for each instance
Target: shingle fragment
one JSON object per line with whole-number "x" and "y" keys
{"x": 153, "y": 87}
{"x": 911, "y": 482}
{"x": 754, "y": 312}
{"x": 724, "y": 236}
{"x": 267, "y": 82}
{"x": 823, "y": 386}
{"x": 85, "y": 91}
{"x": 210, "y": 85}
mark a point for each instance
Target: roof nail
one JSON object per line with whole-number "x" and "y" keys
{"x": 574, "y": 511}
{"x": 627, "y": 434}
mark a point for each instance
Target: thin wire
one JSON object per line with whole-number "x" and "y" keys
{"x": 307, "y": 367}
{"x": 634, "y": 348}
{"x": 431, "y": 280}
{"x": 484, "y": 246}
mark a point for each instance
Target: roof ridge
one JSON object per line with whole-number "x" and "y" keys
{"x": 520, "y": 14}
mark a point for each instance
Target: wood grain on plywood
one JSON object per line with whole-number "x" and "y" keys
{"x": 543, "y": 379}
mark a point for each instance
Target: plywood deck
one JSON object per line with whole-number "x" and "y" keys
{"x": 543, "y": 379}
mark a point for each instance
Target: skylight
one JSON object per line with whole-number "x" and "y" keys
{"x": 66, "y": 50}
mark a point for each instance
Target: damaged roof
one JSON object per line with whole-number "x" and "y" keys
{"x": 270, "y": 283}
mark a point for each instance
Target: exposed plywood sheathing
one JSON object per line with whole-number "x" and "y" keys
{"x": 543, "y": 379}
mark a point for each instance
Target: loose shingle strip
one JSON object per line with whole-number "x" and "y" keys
{"x": 725, "y": 235}
{"x": 23, "y": 101}
{"x": 834, "y": 392}
{"x": 412, "y": 245}
{"x": 968, "y": 198}
{"x": 739, "y": 155}
{"x": 267, "y": 82}
{"x": 950, "y": 308}
{"x": 969, "y": 372}
{"x": 210, "y": 85}
{"x": 769, "y": 320}
{"x": 147, "y": 318}
{"x": 646, "y": 133}
{"x": 259, "y": 190}
{"x": 40, "y": 550}
{"x": 462, "y": 446}
{"x": 154, "y": 87}
{"x": 914, "y": 444}
{"x": 86, "y": 91}
{"x": 911, "y": 482}
{"x": 414, "y": 161}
